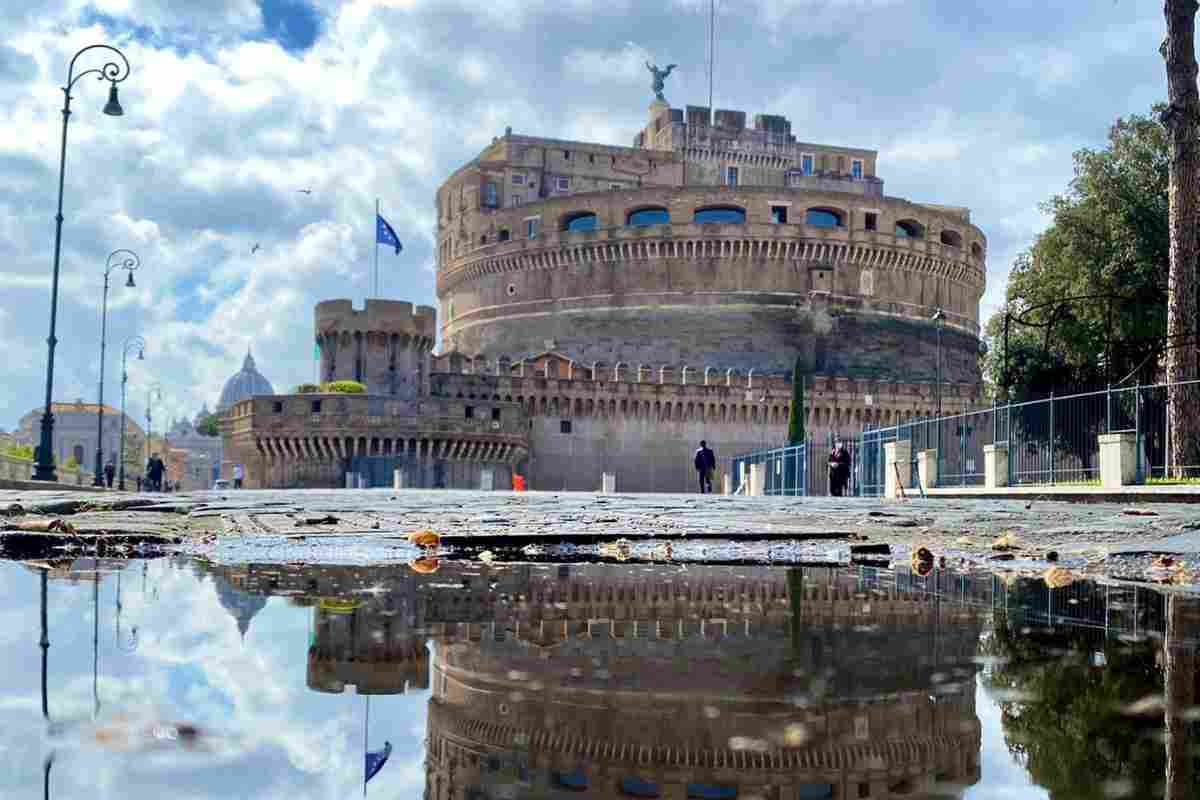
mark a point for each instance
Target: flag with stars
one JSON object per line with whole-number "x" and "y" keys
{"x": 385, "y": 234}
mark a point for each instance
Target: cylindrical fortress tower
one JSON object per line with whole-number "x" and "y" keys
{"x": 719, "y": 246}
{"x": 385, "y": 345}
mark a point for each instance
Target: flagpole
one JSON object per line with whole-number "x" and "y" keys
{"x": 377, "y": 247}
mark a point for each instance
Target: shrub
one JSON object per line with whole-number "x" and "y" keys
{"x": 306, "y": 388}
{"x": 343, "y": 388}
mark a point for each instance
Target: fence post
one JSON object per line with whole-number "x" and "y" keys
{"x": 1137, "y": 428}
{"x": 1108, "y": 409}
{"x": 1052, "y": 448}
{"x": 1009, "y": 438}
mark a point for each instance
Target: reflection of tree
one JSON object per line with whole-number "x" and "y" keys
{"x": 1063, "y": 718}
{"x": 1180, "y": 675}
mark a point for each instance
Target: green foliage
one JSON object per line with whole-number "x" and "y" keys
{"x": 796, "y": 432}
{"x": 19, "y": 451}
{"x": 344, "y": 387}
{"x": 306, "y": 388}
{"x": 1109, "y": 236}
{"x": 206, "y": 425}
{"x": 1062, "y": 717}
{"x": 72, "y": 464}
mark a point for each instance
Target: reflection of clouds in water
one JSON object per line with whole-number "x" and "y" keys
{"x": 278, "y": 739}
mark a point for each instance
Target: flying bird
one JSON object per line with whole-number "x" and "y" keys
{"x": 255, "y": 249}
{"x": 304, "y": 191}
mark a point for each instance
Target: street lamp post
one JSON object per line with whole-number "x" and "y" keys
{"x": 152, "y": 394}
{"x": 114, "y": 73}
{"x": 132, "y": 343}
{"x": 128, "y": 261}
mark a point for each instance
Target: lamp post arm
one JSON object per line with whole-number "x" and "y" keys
{"x": 111, "y": 71}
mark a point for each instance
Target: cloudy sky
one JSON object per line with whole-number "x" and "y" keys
{"x": 234, "y": 105}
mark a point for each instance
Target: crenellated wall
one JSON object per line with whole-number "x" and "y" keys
{"x": 385, "y": 345}
{"x": 643, "y": 422}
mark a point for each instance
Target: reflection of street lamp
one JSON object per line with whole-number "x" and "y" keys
{"x": 132, "y": 643}
{"x": 114, "y": 73}
{"x": 131, "y": 344}
{"x": 44, "y": 643}
{"x": 128, "y": 262}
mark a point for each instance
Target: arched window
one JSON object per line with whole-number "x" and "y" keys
{"x": 579, "y": 221}
{"x": 504, "y": 234}
{"x": 823, "y": 218}
{"x": 729, "y": 215}
{"x": 952, "y": 238}
{"x": 648, "y": 216}
{"x": 910, "y": 229}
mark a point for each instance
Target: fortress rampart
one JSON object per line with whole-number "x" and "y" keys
{"x": 384, "y": 345}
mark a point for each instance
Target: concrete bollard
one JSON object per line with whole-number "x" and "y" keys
{"x": 927, "y": 468}
{"x": 897, "y": 462}
{"x": 351, "y": 480}
{"x": 608, "y": 483}
{"x": 758, "y": 479}
{"x": 995, "y": 466}
{"x": 1118, "y": 459}
{"x": 397, "y": 479}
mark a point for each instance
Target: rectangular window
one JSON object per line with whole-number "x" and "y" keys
{"x": 779, "y": 215}
{"x": 496, "y": 414}
{"x": 562, "y": 184}
{"x": 856, "y": 168}
{"x": 504, "y": 234}
{"x": 564, "y": 426}
{"x": 531, "y": 228}
{"x": 871, "y": 221}
{"x": 731, "y": 176}
{"x": 491, "y": 194}
{"x": 806, "y": 163}
{"x": 276, "y": 407}
{"x": 516, "y": 200}
{"x": 614, "y": 186}
{"x": 316, "y": 406}
{"x": 567, "y": 155}
{"x": 470, "y": 412}
{"x": 518, "y": 180}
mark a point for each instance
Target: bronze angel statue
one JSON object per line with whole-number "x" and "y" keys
{"x": 660, "y": 77}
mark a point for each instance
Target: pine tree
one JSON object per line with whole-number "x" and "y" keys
{"x": 796, "y": 432}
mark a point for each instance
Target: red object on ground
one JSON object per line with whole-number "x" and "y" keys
{"x": 518, "y": 483}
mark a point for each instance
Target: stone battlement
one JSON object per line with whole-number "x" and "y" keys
{"x": 389, "y": 317}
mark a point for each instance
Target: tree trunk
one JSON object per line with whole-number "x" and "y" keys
{"x": 1180, "y": 119}
{"x": 1179, "y": 681}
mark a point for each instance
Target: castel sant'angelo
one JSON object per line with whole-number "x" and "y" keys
{"x": 604, "y": 308}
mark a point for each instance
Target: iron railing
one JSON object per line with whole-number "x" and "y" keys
{"x": 1052, "y": 441}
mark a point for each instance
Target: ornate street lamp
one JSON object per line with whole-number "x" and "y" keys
{"x": 132, "y": 343}
{"x": 114, "y": 73}
{"x": 152, "y": 394}
{"x": 128, "y": 261}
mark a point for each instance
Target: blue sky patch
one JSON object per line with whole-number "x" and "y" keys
{"x": 293, "y": 23}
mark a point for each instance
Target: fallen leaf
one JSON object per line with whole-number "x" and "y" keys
{"x": 487, "y": 556}
{"x": 1058, "y": 577}
{"x": 425, "y": 538}
{"x": 46, "y": 526}
{"x": 1005, "y": 542}
{"x": 963, "y": 540}
{"x": 424, "y": 565}
{"x": 1139, "y": 512}
{"x": 1163, "y": 561}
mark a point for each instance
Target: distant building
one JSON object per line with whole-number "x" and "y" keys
{"x": 75, "y": 433}
{"x": 244, "y": 384}
{"x": 193, "y": 459}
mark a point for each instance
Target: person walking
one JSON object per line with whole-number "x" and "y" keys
{"x": 110, "y": 472}
{"x": 839, "y": 468}
{"x": 705, "y": 463}
{"x": 154, "y": 473}
{"x": 239, "y": 474}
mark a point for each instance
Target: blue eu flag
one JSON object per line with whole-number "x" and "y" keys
{"x": 384, "y": 234}
{"x": 376, "y": 759}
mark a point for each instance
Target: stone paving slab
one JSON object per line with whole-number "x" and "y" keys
{"x": 301, "y": 524}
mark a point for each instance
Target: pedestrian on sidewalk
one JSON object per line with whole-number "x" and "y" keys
{"x": 239, "y": 473}
{"x": 839, "y": 468}
{"x": 110, "y": 472}
{"x": 705, "y": 463}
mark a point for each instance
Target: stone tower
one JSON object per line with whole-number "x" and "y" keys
{"x": 385, "y": 345}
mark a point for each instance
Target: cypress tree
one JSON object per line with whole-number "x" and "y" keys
{"x": 796, "y": 433}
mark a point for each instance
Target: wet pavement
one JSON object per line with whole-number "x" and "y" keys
{"x": 192, "y": 677}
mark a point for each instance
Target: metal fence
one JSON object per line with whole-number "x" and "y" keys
{"x": 1052, "y": 441}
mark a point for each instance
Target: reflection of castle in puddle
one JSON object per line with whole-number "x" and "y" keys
{"x": 616, "y": 681}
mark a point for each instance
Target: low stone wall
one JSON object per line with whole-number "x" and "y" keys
{"x": 21, "y": 470}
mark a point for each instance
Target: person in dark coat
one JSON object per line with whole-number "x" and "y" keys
{"x": 706, "y": 463}
{"x": 110, "y": 471}
{"x": 154, "y": 473}
{"x": 839, "y": 468}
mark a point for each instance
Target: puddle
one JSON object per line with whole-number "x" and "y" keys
{"x": 181, "y": 677}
